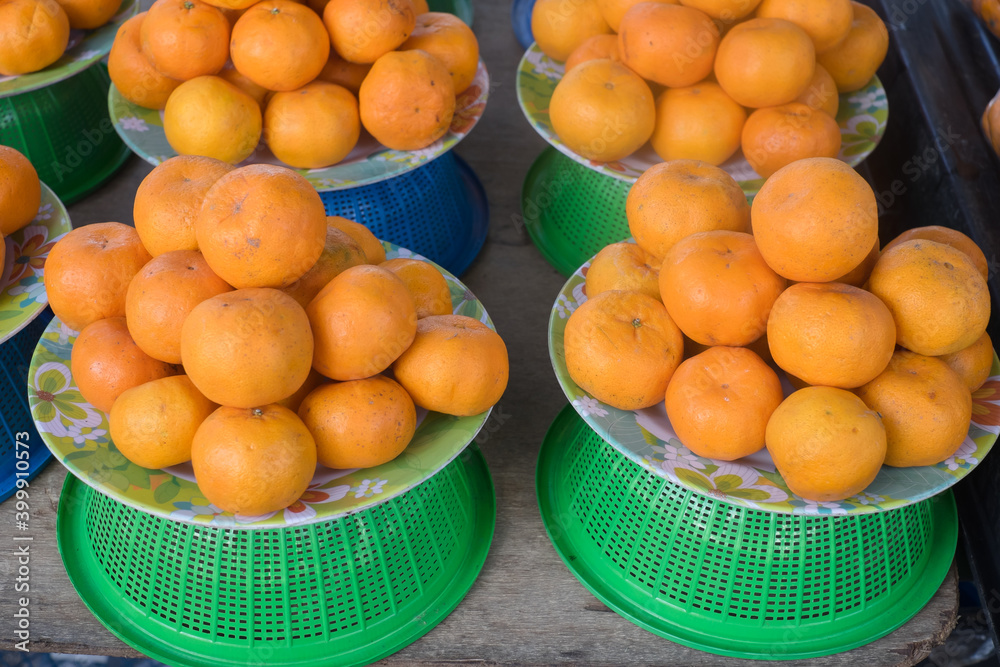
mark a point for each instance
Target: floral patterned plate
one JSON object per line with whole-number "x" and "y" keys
{"x": 370, "y": 162}
{"x": 22, "y": 289}
{"x": 646, "y": 437}
{"x": 862, "y": 117}
{"x": 85, "y": 48}
{"x": 77, "y": 434}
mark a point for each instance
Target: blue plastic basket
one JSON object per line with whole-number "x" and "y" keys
{"x": 520, "y": 16}
{"x": 438, "y": 210}
{"x": 15, "y": 414}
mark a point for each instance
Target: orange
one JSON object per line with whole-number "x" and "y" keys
{"x": 624, "y": 266}
{"x": 774, "y": 137}
{"x": 407, "y": 100}
{"x": 718, "y": 288}
{"x": 247, "y": 347}
{"x": 132, "y": 73}
{"x": 858, "y": 276}
{"x": 826, "y": 443}
{"x": 279, "y": 44}
{"x": 815, "y": 220}
{"x": 88, "y": 271}
{"x": 293, "y": 402}
{"x": 420, "y": 7}
{"x": 925, "y": 406}
{"x": 89, "y": 14}
{"x": 622, "y": 348}
{"x": 244, "y": 83}
{"x": 973, "y": 363}
{"x": 343, "y": 73}
{"x": 169, "y": 199}
{"x": 700, "y": 122}
{"x": 457, "y": 365}
{"x": 363, "y": 320}
{"x": 765, "y": 62}
{"x": 33, "y": 35}
{"x": 991, "y": 122}
{"x": 161, "y": 296}
{"x": 362, "y": 235}
{"x": 312, "y": 127}
{"x": 948, "y": 236}
{"x": 821, "y": 93}
{"x": 20, "y": 191}
{"x": 675, "y": 199}
{"x": 602, "y": 110}
{"x": 105, "y": 362}
{"x": 153, "y": 424}
{"x": 719, "y": 402}
{"x": 559, "y": 27}
{"x": 827, "y": 22}
{"x": 261, "y": 226}
{"x": 210, "y": 116}
{"x": 447, "y": 38}
{"x": 669, "y": 44}
{"x": 725, "y": 10}
{"x": 360, "y": 423}
{"x": 853, "y": 62}
{"x": 938, "y": 298}
{"x": 253, "y": 461}
{"x": 613, "y": 11}
{"x": 831, "y": 334}
{"x": 427, "y": 286}
{"x": 340, "y": 253}
{"x": 184, "y": 39}
{"x": 362, "y": 31}
{"x": 597, "y": 47}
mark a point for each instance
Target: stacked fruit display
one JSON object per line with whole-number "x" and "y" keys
{"x": 304, "y": 77}
{"x": 237, "y": 327}
{"x": 20, "y": 194}
{"x": 701, "y": 79}
{"x": 885, "y": 346}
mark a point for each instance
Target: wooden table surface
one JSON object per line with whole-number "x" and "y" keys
{"x": 526, "y": 608}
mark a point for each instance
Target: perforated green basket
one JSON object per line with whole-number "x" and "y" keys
{"x": 727, "y": 579}
{"x": 344, "y": 592}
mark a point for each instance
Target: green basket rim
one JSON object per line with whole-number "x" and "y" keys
{"x": 101, "y": 598}
{"x": 942, "y": 552}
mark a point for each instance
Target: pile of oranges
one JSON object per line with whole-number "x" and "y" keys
{"x": 304, "y": 77}
{"x": 238, "y": 327}
{"x": 699, "y": 79}
{"x": 884, "y": 345}
{"x": 20, "y": 194}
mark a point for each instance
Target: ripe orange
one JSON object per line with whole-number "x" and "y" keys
{"x": 363, "y": 320}
{"x": 774, "y": 137}
{"x": 420, "y": 7}
{"x": 447, "y": 38}
{"x": 359, "y": 423}
{"x": 210, "y": 116}
{"x": 938, "y": 298}
{"x": 261, "y": 226}
{"x": 719, "y": 402}
{"x": 293, "y": 402}
{"x": 279, "y": 44}
{"x": 362, "y": 235}
{"x": 344, "y": 73}
{"x": 597, "y": 47}
{"x": 427, "y": 286}
{"x": 622, "y": 348}
{"x": 827, "y": 22}
{"x": 20, "y": 191}
{"x": 669, "y": 44}
{"x": 765, "y": 62}
{"x": 407, "y": 100}
{"x": 89, "y": 14}
{"x": 132, "y": 73}
{"x": 925, "y": 406}
{"x": 990, "y": 120}
{"x": 88, "y": 271}
{"x": 253, "y": 461}
{"x": 853, "y": 62}
{"x": 247, "y": 347}
{"x": 106, "y": 362}
{"x": 675, "y": 199}
{"x": 340, "y": 253}
{"x": 153, "y": 424}
{"x": 33, "y": 35}
{"x": 973, "y": 363}
{"x": 362, "y": 31}
{"x": 826, "y": 443}
{"x": 184, "y": 39}
{"x": 232, "y": 7}
{"x": 613, "y": 12}
{"x": 559, "y": 27}
{"x": 858, "y": 276}
{"x": 169, "y": 199}
{"x": 821, "y": 93}
{"x": 161, "y": 296}
{"x": 815, "y": 220}
{"x": 312, "y": 127}
{"x": 602, "y": 110}
{"x": 726, "y": 10}
{"x": 700, "y": 122}
{"x": 456, "y": 365}
{"x": 626, "y": 267}
{"x": 244, "y": 83}
{"x": 948, "y": 236}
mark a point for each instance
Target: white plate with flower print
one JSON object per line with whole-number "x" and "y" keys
{"x": 646, "y": 437}
{"x": 862, "y": 117}
{"x": 77, "y": 434}
{"x": 370, "y": 162}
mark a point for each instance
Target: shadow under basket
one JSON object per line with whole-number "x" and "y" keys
{"x": 729, "y": 580}
{"x": 344, "y": 592}
{"x": 572, "y": 212}
{"x": 16, "y": 424}
{"x": 438, "y": 210}
{"x": 65, "y": 130}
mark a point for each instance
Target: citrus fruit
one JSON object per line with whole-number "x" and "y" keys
{"x": 33, "y": 35}
{"x": 858, "y": 276}
{"x": 312, "y": 381}
{"x": 725, "y": 10}
{"x": 89, "y": 14}
{"x": 447, "y": 38}
{"x": 559, "y": 27}
{"x": 20, "y": 191}
{"x": 234, "y": 76}
{"x": 853, "y": 62}
{"x": 594, "y": 48}
{"x": 774, "y": 137}
{"x": 132, "y": 73}
{"x": 626, "y": 267}
{"x": 209, "y": 116}
{"x": 973, "y": 363}
{"x": 184, "y": 39}
{"x": 362, "y": 235}
{"x": 340, "y": 252}
{"x": 670, "y": 44}
{"x": 427, "y": 286}
{"x": 362, "y": 31}
{"x": 821, "y": 93}
{"x": 700, "y": 122}
{"x": 948, "y": 236}
{"x": 827, "y": 22}
{"x": 344, "y": 73}
{"x": 613, "y": 11}
{"x": 312, "y": 127}
{"x": 279, "y": 44}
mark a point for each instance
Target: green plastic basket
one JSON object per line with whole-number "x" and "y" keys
{"x": 345, "y": 592}
{"x": 65, "y": 130}
{"x": 730, "y": 580}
